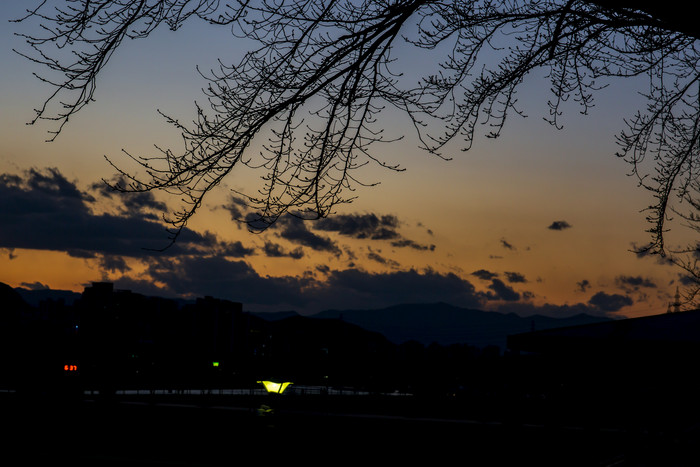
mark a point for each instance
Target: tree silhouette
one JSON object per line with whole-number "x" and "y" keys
{"x": 321, "y": 72}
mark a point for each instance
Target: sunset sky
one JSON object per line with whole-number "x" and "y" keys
{"x": 538, "y": 221}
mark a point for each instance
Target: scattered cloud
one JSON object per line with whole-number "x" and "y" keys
{"x": 634, "y": 282}
{"x": 404, "y": 242}
{"x": 583, "y": 286}
{"x": 507, "y": 245}
{"x": 224, "y": 278}
{"x": 237, "y": 280}
{"x": 358, "y": 288}
{"x": 515, "y": 277}
{"x": 609, "y": 302}
{"x": 294, "y": 229}
{"x": 484, "y": 275}
{"x": 501, "y": 291}
{"x": 113, "y": 263}
{"x": 10, "y": 252}
{"x": 376, "y": 256}
{"x": 42, "y": 210}
{"x": 129, "y": 201}
{"x": 275, "y": 250}
{"x": 362, "y": 226}
{"x": 559, "y": 225}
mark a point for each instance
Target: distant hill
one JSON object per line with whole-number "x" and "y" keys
{"x": 441, "y": 323}
{"x": 274, "y": 315}
{"x": 11, "y": 300}
{"x": 34, "y": 297}
{"x": 446, "y": 324}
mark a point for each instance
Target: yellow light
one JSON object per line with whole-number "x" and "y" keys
{"x": 277, "y": 388}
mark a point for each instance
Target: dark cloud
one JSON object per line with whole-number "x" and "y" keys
{"x": 559, "y": 225}
{"x": 506, "y": 245}
{"x": 10, "y": 253}
{"x": 237, "y": 207}
{"x": 363, "y": 226}
{"x": 648, "y": 251}
{"x": 609, "y": 302}
{"x": 358, "y": 288}
{"x": 515, "y": 277}
{"x": 501, "y": 291}
{"x": 236, "y": 280}
{"x": 527, "y": 295}
{"x": 43, "y": 210}
{"x": 583, "y": 286}
{"x": 485, "y": 275}
{"x": 114, "y": 264}
{"x": 295, "y": 230}
{"x": 688, "y": 280}
{"x": 634, "y": 282}
{"x": 376, "y": 256}
{"x": 130, "y": 201}
{"x": 404, "y": 242}
{"x": 234, "y": 249}
{"x": 275, "y": 250}
{"x": 223, "y": 278}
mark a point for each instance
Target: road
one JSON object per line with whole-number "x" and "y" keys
{"x": 179, "y": 433}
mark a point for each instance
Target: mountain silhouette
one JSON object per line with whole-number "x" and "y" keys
{"x": 439, "y": 323}
{"x": 446, "y": 324}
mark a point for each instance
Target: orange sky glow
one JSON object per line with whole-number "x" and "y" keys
{"x": 538, "y": 221}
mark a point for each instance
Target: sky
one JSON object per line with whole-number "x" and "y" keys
{"x": 539, "y": 220}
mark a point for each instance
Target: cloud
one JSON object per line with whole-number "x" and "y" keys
{"x": 130, "y": 201}
{"x": 358, "y": 288}
{"x": 375, "y": 256}
{"x": 485, "y": 275}
{"x": 634, "y": 282}
{"x": 223, "y": 278}
{"x": 506, "y": 245}
{"x": 113, "y": 263}
{"x": 294, "y": 230}
{"x": 362, "y": 226}
{"x": 501, "y": 291}
{"x": 10, "y": 253}
{"x": 515, "y": 277}
{"x": 275, "y": 250}
{"x": 237, "y": 207}
{"x": 43, "y": 210}
{"x": 559, "y": 225}
{"x": 234, "y": 249}
{"x": 404, "y": 242}
{"x": 583, "y": 286}
{"x": 609, "y": 302}
{"x": 349, "y": 288}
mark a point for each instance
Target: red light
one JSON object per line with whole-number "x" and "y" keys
{"x": 70, "y": 367}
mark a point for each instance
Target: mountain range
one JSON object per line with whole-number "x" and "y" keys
{"x": 444, "y": 324}
{"x": 439, "y": 323}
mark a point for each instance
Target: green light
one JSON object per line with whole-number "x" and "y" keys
{"x": 277, "y": 388}
{"x": 214, "y": 363}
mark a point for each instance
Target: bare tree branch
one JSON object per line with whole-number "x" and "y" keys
{"x": 322, "y": 72}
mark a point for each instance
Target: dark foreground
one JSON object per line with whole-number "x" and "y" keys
{"x": 181, "y": 432}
